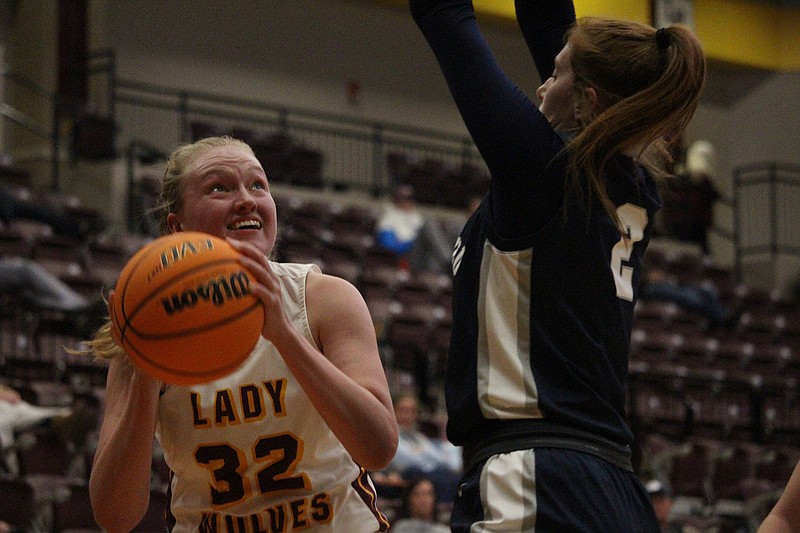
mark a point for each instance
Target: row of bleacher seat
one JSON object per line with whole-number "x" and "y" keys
{"x": 719, "y": 485}
{"x": 284, "y": 158}
{"x": 66, "y": 508}
{"x": 681, "y": 402}
{"x": 716, "y": 409}
{"x": 724, "y": 353}
{"x": 762, "y": 320}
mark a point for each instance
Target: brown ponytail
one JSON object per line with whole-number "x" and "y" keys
{"x": 648, "y": 86}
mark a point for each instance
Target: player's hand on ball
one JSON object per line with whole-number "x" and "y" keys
{"x": 267, "y": 288}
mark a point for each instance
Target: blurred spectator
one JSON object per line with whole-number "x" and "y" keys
{"x": 39, "y": 289}
{"x": 435, "y": 245}
{"x": 400, "y": 222}
{"x": 662, "y": 504}
{"x": 689, "y": 204}
{"x": 17, "y": 415}
{"x": 420, "y": 455}
{"x": 420, "y": 242}
{"x": 702, "y": 299}
{"x": 419, "y": 510}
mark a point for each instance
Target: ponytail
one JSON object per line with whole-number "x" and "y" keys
{"x": 648, "y": 87}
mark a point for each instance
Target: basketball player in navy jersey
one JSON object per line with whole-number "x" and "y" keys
{"x": 546, "y": 270}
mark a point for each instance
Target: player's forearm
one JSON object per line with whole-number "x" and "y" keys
{"x": 120, "y": 480}
{"x": 364, "y": 424}
{"x": 775, "y": 524}
{"x": 119, "y": 492}
{"x": 785, "y": 516}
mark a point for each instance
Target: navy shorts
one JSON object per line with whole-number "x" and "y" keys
{"x": 551, "y": 490}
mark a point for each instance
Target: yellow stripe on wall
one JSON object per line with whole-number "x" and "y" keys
{"x": 741, "y": 32}
{"x": 747, "y": 33}
{"x": 736, "y": 31}
{"x": 625, "y": 9}
{"x": 789, "y": 29}
{"x": 628, "y": 9}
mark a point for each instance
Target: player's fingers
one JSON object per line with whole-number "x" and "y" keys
{"x": 256, "y": 263}
{"x": 248, "y": 250}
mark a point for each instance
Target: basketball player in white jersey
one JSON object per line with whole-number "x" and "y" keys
{"x": 284, "y": 442}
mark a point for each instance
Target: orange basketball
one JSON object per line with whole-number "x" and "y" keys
{"x": 184, "y": 310}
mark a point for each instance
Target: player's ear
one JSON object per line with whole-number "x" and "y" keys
{"x": 173, "y": 224}
{"x": 586, "y": 107}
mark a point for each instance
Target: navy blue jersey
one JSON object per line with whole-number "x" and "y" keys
{"x": 544, "y": 287}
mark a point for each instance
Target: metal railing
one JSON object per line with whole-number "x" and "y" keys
{"x": 765, "y": 207}
{"x": 354, "y": 150}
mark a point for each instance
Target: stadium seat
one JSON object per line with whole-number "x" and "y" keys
{"x": 19, "y": 507}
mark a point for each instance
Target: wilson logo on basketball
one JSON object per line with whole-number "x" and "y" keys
{"x": 216, "y": 291}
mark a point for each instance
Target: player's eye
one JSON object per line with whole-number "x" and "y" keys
{"x": 217, "y": 187}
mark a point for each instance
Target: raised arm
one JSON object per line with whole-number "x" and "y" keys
{"x": 515, "y": 140}
{"x": 543, "y": 25}
{"x": 498, "y": 115}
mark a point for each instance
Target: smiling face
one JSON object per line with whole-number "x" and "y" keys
{"x": 557, "y": 94}
{"x": 226, "y": 194}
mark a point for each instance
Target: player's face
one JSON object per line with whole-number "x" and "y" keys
{"x": 557, "y": 94}
{"x": 226, "y": 194}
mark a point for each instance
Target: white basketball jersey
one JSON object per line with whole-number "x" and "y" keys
{"x": 249, "y": 453}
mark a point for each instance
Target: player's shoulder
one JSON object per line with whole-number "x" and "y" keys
{"x": 331, "y": 285}
{"x": 293, "y": 270}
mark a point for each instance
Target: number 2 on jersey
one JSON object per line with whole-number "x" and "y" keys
{"x": 634, "y": 219}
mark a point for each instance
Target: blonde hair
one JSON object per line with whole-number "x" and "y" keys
{"x": 102, "y": 345}
{"x": 648, "y": 86}
{"x": 178, "y": 167}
